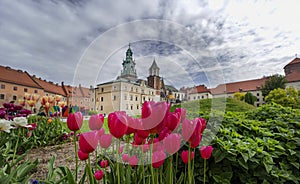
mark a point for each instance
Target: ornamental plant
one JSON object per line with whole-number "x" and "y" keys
{"x": 143, "y": 146}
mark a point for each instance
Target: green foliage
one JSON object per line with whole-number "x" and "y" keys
{"x": 92, "y": 113}
{"x": 260, "y": 146}
{"x": 274, "y": 82}
{"x": 250, "y": 99}
{"x": 288, "y": 97}
{"x": 239, "y": 96}
{"x": 204, "y": 106}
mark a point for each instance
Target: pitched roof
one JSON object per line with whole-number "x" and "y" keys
{"x": 154, "y": 65}
{"x": 20, "y": 77}
{"x": 242, "y": 86}
{"x": 199, "y": 89}
{"x": 85, "y": 91}
{"x": 49, "y": 86}
{"x": 294, "y": 61}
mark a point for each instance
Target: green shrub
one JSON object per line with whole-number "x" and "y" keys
{"x": 260, "y": 146}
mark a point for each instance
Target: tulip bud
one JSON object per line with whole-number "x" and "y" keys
{"x": 206, "y": 151}
{"x": 98, "y": 174}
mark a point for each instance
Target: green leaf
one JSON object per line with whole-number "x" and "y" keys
{"x": 218, "y": 155}
{"x": 242, "y": 163}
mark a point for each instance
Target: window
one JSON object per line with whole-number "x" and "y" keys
{"x": 257, "y": 94}
{"x": 35, "y": 91}
{"x": 115, "y": 88}
{"x": 131, "y": 88}
{"x": 144, "y": 99}
{"x": 2, "y": 96}
{"x": 14, "y": 97}
{"x": 2, "y": 86}
{"x": 194, "y": 98}
{"x": 115, "y": 97}
{"x": 15, "y": 88}
{"x": 131, "y": 97}
{"x": 257, "y": 99}
{"x": 136, "y": 98}
{"x": 46, "y": 94}
{"x": 198, "y": 97}
{"x": 137, "y": 106}
{"x": 136, "y": 89}
{"x": 101, "y": 108}
{"x": 131, "y": 107}
{"x": 101, "y": 98}
{"x": 202, "y": 97}
{"x": 25, "y": 90}
{"x": 125, "y": 97}
{"x": 102, "y": 89}
{"x": 126, "y": 106}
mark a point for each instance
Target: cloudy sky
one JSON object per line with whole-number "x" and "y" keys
{"x": 193, "y": 42}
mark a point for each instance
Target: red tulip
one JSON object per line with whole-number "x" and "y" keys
{"x": 202, "y": 123}
{"x": 82, "y": 155}
{"x": 125, "y": 158}
{"x": 117, "y": 124}
{"x": 182, "y": 113}
{"x": 206, "y": 151}
{"x": 172, "y": 143}
{"x": 74, "y": 121}
{"x": 96, "y": 121}
{"x": 98, "y": 174}
{"x": 164, "y": 133}
{"x": 173, "y": 121}
{"x": 185, "y": 156}
{"x": 104, "y": 163}
{"x": 191, "y": 132}
{"x": 132, "y": 125}
{"x": 88, "y": 142}
{"x": 105, "y": 140}
{"x": 158, "y": 159}
{"x": 101, "y": 132}
{"x": 138, "y": 140}
{"x": 133, "y": 161}
{"x": 154, "y": 115}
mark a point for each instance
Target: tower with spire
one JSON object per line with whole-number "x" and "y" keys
{"x": 128, "y": 71}
{"x": 154, "y": 79}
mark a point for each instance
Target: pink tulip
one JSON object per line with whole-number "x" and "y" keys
{"x": 173, "y": 121}
{"x": 96, "y": 121}
{"x": 98, "y": 174}
{"x": 144, "y": 148}
{"x": 185, "y": 156}
{"x": 172, "y": 143}
{"x": 132, "y": 125}
{"x": 158, "y": 159}
{"x": 88, "y": 142}
{"x": 82, "y": 155}
{"x": 164, "y": 133}
{"x": 206, "y": 152}
{"x": 191, "y": 132}
{"x": 125, "y": 158}
{"x": 182, "y": 113}
{"x": 104, "y": 163}
{"x": 101, "y": 132}
{"x": 105, "y": 140}
{"x": 117, "y": 124}
{"x": 74, "y": 121}
{"x": 133, "y": 161}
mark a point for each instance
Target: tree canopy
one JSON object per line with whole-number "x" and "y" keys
{"x": 288, "y": 97}
{"x": 274, "y": 82}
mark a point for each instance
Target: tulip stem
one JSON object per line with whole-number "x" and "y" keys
{"x": 151, "y": 167}
{"x": 204, "y": 171}
{"x": 16, "y": 147}
{"x": 90, "y": 171}
{"x": 170, "y": 170}
{"x": 189, "y": 166}
{"x": 76, "y": 157}
{"x": 176, "y": 166}
{"x": 117, "y": 161}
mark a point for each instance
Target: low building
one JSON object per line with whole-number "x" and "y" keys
{"x": 251, "y": 86}
{"x": 15, "y": 83}
{"x": 198, "y": 92}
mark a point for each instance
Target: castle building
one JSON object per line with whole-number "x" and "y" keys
{"x": 292, "y": 73}
{"x": 127, "y": 92}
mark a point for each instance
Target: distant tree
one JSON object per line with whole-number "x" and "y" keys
{"x": 274, "y": 82}
{"x": 239, "y": 96}
{"x": 288, "y": 97}
{"x": 250, "y": 99}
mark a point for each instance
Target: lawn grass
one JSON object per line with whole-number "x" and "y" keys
{"x": 85, "y": 126}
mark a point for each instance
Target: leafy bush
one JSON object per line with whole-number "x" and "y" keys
{"x": 261, "y": 146}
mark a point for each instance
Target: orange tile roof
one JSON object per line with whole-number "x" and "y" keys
{"x": 50, "y": 86}
{"x": 199, "y": 89}
{"x": 294, "y": 61}
{"x": 73, "y": 91}
{"x": 10, "y": 75}
{"x": 242, "y": 86}
{"x": 85, "y": 91}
